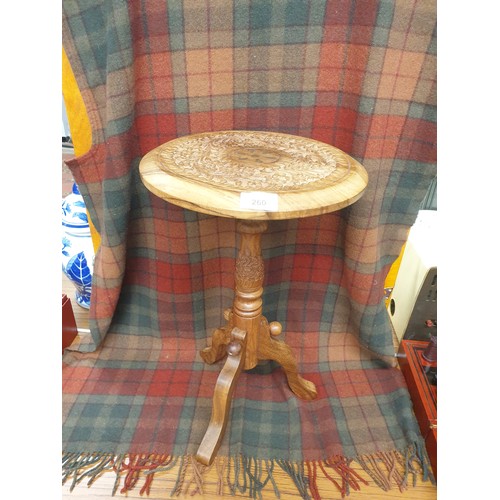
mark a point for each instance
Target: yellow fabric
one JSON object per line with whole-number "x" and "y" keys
{"x": 393, "y": 272}
{"x": 390, "y": 279}
{"x": 79, "y": 123}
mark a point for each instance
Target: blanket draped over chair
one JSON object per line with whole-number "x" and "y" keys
{"x": 137, "y": 396}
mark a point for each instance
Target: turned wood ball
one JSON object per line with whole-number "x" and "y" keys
{"x": 233, "y": 348}
{"x": 275, "y": 328}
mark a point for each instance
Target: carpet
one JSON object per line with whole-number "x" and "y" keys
{"x": 136, "y": 395}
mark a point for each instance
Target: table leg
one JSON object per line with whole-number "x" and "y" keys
{"x": 277, "y": 350}
{"x": 220, "y": 339}
{"x": 222, "y": 397}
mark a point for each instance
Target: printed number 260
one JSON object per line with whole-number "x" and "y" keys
{"x": 258, "y": 203}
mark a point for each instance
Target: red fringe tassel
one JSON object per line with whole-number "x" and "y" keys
{"x": 136, "y": 465}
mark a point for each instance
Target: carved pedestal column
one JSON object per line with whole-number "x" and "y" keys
{"x": 249, "y": 278}
{"x": 247, "y": 338}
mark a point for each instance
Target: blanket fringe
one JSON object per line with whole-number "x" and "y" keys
{"x": 248, "y": 475}
{"x": 78, "y": 466}
{"x": 348, "y": 477}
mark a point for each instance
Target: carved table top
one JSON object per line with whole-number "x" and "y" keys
{"x": 253, "y": 175}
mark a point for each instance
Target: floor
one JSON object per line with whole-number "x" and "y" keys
{"x": 163, "y": 482}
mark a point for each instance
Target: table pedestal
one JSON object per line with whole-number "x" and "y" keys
{"x": 246, "y": 338}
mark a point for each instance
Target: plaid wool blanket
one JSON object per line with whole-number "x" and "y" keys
{"x": 137, "y": 397}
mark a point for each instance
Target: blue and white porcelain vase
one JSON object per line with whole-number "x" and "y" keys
{"x": 77, "y": 247}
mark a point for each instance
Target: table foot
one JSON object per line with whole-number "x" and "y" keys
{"x": 222, "y": 397}
{"x": 277, "y": 350}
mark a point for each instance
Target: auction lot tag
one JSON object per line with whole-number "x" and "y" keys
{"x": 260, "y": 201}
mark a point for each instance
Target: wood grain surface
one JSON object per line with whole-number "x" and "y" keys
{"x": 208, "y": 173}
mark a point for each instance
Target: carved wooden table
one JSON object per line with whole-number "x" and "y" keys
{"x": 253, "y": 177}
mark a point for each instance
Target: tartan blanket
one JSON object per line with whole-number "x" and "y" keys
{"x": 136, "y": 395}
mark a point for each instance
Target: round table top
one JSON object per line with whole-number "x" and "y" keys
{"x": 253, "y": 175}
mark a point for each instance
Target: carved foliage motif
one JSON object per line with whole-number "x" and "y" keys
{"x": 253, "y": 161}
{"x": 249, "y": 272}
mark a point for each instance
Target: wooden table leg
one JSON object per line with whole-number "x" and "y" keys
{"x": 277, "y": 350}
{"x": 220, "y": 339}
{"x": 222, "y": 397}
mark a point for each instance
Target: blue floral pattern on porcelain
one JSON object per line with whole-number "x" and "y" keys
{"x": 77, "y": 247}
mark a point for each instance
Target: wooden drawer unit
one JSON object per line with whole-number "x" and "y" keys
{"x": 69, "y": 329}
{"x": 420, "y": 377}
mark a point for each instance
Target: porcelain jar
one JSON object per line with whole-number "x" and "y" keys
{"x": 77, "y": 247}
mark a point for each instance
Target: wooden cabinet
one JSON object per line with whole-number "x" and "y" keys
{"x": 421, "y": 378}
{"x": 69, "y": 329}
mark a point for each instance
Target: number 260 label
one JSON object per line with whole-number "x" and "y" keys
{"x": 260, "y": 201}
